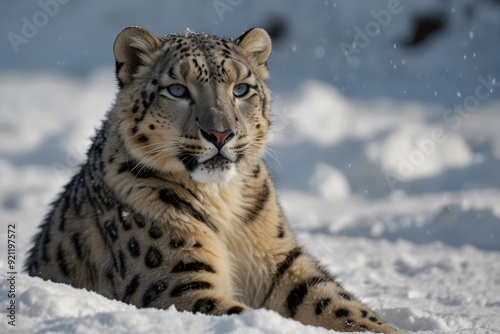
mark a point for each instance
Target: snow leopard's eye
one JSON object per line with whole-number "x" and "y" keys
{"x": 240, "y": 90}
{"x": 179, "y": 91}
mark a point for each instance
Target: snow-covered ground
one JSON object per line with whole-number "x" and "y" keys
{"x": 387, "y": 161}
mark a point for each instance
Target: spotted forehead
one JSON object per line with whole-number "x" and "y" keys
{"x": 206, "y": 55}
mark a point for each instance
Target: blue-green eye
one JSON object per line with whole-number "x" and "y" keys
{"x": 240, "y": 90}
{"x": 178, "y": 90}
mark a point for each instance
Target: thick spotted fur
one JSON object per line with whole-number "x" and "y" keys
{"x": 175, "y": 205}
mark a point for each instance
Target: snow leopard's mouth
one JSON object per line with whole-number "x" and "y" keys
{"x": 218, "y": 162}
{"x": 216, "y": 169}
{"x": 218, "y": 159}
{"x": 191, "y": 162}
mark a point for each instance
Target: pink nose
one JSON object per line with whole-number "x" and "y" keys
{"x": 217, "y": 138}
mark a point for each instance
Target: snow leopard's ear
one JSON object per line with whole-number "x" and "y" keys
{"x": 257, "y": 45}
{"x": 133, "y": 48}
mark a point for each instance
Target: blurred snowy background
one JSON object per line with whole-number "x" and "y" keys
{"x": 385, "y": 148}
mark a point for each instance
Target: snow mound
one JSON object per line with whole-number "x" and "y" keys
{"x": 57, "y": 308}
{"x": 419, "y": 152}
{"x": 330, "y": 183}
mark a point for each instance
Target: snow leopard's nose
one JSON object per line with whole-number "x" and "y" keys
{"x": 219, "y": 139}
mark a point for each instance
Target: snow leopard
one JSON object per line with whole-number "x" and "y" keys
{"x": 175, "y": 204}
